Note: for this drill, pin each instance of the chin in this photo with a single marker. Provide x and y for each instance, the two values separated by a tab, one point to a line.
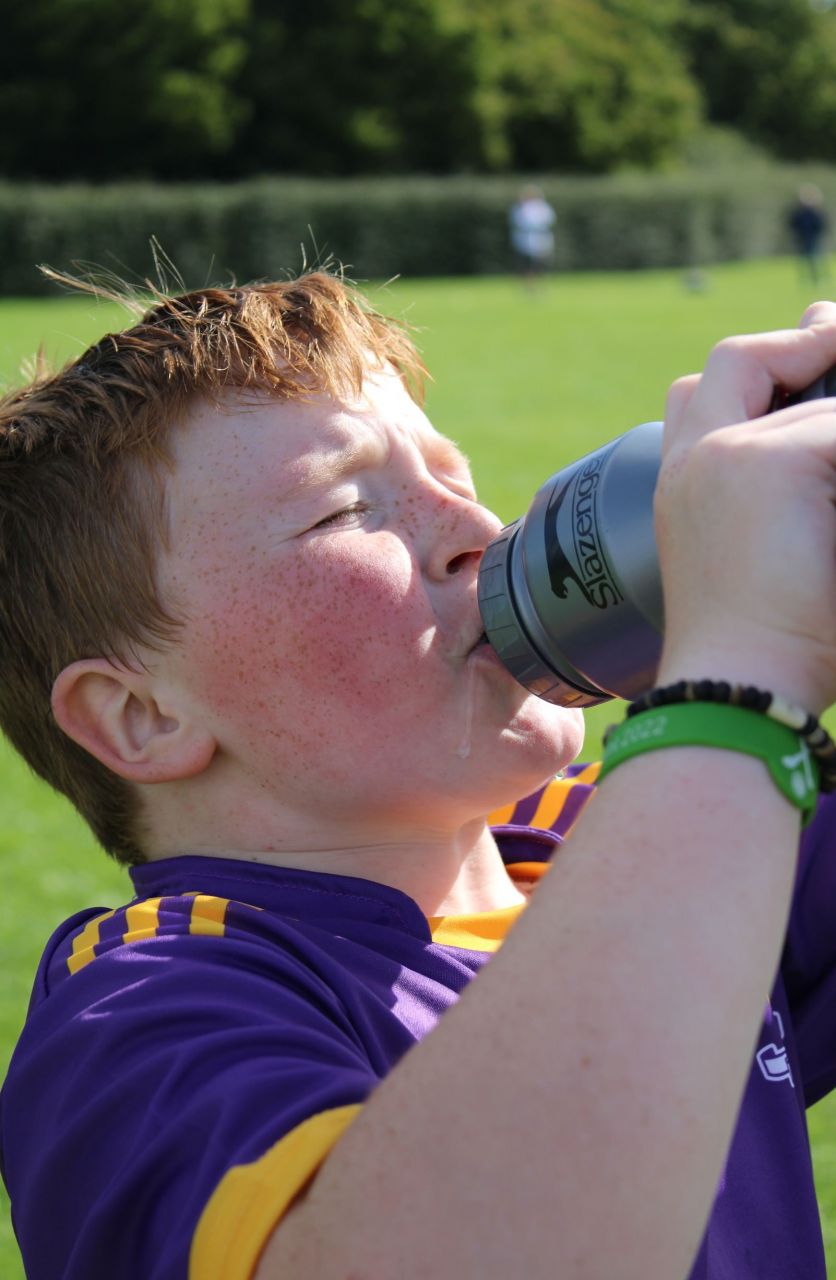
540	741
558	731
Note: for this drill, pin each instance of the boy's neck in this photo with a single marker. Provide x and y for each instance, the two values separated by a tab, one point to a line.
459	875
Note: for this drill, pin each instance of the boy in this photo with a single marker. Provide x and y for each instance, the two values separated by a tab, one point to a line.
241	633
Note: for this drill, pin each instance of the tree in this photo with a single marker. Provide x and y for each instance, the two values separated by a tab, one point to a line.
583	85
768	68
360	87
90	89
230	88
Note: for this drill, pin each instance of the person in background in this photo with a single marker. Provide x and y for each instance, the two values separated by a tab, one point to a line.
808	223
532	221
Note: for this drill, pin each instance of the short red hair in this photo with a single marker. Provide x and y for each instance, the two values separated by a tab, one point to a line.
83	455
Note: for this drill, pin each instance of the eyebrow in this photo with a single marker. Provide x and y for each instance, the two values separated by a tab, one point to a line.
334	465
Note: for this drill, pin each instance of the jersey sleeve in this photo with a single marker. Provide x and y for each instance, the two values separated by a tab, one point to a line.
809	961
170	1097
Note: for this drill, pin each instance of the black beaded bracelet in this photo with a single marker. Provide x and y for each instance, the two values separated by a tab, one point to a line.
819	742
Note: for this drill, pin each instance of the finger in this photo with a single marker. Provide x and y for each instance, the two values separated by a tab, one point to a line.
818	313
820	411
679	398
741	374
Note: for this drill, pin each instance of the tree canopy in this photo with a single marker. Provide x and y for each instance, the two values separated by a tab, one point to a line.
92	89
767	68
231	88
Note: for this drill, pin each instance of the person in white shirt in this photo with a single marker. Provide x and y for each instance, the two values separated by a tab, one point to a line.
532	222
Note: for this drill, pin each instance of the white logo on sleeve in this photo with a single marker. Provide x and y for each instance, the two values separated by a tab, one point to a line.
772	1058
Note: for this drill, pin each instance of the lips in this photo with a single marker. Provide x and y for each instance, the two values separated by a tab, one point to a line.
471	635
479	645
478	638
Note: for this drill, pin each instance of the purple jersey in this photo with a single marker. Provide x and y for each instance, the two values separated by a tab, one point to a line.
189	1060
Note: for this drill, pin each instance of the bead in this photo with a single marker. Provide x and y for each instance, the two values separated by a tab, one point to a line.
806	725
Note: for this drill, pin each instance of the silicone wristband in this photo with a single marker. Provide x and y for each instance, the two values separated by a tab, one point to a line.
821	746
709	724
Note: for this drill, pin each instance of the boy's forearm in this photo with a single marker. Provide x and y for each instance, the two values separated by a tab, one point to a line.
570	1116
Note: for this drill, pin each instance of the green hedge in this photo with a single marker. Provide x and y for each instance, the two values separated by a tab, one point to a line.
385	227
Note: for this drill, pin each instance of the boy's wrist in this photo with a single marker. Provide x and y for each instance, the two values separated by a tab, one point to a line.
750	660
794	769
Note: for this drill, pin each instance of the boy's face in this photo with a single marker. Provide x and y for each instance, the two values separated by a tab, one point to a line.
325	558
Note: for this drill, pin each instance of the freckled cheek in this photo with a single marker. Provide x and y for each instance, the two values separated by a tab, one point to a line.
362	623
330	632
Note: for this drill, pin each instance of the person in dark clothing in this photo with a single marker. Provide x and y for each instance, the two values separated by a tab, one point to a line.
808	223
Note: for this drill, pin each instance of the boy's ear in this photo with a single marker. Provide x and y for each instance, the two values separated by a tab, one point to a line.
112	712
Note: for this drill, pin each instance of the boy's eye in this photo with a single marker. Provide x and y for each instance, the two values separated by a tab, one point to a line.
347	515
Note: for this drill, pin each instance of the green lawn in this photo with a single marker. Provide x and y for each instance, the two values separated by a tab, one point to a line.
524	383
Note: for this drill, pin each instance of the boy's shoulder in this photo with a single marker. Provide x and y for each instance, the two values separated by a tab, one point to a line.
255	907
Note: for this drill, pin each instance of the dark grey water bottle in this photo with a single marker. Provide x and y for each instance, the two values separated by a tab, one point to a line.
570	594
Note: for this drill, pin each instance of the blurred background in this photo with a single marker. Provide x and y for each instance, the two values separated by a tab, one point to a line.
244	133
681	155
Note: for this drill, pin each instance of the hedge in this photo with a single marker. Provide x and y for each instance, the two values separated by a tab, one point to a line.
381	228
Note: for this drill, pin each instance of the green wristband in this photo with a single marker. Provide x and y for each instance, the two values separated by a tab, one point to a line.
710	724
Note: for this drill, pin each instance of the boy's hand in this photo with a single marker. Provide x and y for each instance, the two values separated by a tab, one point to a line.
745	518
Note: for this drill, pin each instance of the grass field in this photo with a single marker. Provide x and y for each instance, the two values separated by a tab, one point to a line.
524	383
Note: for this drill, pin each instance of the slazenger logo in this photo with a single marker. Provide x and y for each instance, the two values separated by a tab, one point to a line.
587	566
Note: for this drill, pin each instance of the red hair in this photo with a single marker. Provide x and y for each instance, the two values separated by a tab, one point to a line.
83	456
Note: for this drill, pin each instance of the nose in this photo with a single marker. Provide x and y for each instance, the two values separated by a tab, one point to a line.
458	536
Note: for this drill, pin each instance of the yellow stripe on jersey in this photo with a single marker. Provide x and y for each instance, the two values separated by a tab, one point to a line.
589	774
207	915
501	817
482	931
556	794
527	870
142	919
551	802
85	941
251	1199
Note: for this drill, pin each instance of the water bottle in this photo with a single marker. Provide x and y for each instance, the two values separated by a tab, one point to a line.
570	593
